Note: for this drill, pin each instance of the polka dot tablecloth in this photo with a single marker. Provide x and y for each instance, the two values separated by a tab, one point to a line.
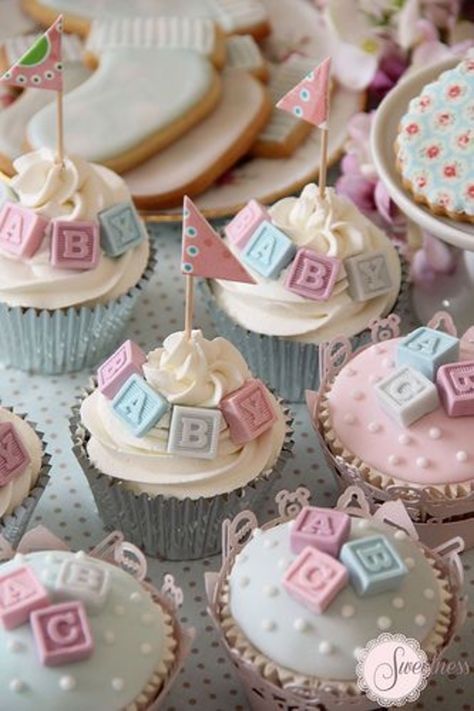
68	509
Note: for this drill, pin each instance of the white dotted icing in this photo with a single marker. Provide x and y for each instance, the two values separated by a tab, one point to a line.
388	363
357	652
410	563
136	597
435	433
67	683
384	623
19	558
15	646
301	625
283	563
270	544
362	524
268	625
117	684
422	462
348	611
404	438
358	395
257	532
374	427
325	647
146	618
109	637
81	555
350	372
349	418
146	648
271	590
400	535
420	620
429	593
461	456
244	581
398	603
394	459
17	686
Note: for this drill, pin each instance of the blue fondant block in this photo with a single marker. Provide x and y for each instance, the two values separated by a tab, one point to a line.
373	564
138	405
120	229
426	349
268	251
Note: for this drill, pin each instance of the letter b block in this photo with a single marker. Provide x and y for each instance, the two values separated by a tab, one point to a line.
456	388
120	229
406	395
426	349
320	528
14	458
268	251
314	579
368	276
139	406
194	432
248	411
374	565
20	593
21	230
126	361
74	245
241	228
312	275
83	580
62	634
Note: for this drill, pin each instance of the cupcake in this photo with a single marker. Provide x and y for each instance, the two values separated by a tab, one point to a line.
73	259
398	418
24	473
299	600
88	636
321	269
174	441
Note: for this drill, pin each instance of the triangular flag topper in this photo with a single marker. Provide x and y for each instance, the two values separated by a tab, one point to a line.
204	253
309	100
41	66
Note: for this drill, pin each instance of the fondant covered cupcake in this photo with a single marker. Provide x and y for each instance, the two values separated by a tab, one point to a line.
172	442
73	257
321	268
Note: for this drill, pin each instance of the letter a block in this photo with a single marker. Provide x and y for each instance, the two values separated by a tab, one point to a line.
320	528
314	579
74	245
117	369
268	251
139	406
406	395
456	388
248	411
374	565
312	275
368	276
20	593
120	229
62	634
194	432
426	349
14	458
241	228
21	230
79	579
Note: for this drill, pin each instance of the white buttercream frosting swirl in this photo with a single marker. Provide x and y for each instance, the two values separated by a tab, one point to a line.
75	191
332	226
197	373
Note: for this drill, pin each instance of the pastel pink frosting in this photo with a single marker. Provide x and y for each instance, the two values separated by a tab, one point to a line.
436	449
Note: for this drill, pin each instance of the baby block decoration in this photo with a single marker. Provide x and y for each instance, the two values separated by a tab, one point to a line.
116	370
407	395
248	411
314	579
426	349
120	229
21	230
455	383
194	432
14	457
368	276
62	633
20	594
312	275
374	565
138	405
241	228
74	245
84	580
268	251
320	528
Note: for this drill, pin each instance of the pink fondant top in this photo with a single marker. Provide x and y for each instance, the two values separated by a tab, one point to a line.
435	449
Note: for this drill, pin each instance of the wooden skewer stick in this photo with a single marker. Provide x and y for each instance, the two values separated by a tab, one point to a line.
59	128
189	306
323	162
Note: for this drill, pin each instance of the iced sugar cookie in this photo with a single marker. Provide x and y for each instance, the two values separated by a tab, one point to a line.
435	144
146	61
233	16
244	53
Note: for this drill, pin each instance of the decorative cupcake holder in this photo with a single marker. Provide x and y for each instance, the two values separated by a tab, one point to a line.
263	695
436	517
114	549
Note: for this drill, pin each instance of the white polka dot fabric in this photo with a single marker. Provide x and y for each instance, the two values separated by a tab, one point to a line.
67	508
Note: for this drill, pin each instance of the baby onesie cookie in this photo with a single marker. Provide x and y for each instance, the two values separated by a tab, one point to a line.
232	16
435	143
131	107
14	119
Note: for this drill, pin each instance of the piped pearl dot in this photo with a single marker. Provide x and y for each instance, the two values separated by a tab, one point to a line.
117	684
357	395
400	535
271	590
19	558
429	593
109	637
50	559
420	620
374	427
388	363
146	648
67	683
410	563
393	459
146	618
349	418
384	623
422	462
119	610
15	646
461	456
268	625
282	563
325	647
17	685
373	378
256	532
270	544
362	524
300	625
404	438
347	611
357	652
136	597
242	558
380	349
350	372
398	603
434	433
80	555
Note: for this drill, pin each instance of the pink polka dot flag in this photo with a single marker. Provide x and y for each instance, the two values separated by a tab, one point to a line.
309	100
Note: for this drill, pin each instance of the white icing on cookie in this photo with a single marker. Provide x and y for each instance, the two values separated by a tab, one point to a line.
244	53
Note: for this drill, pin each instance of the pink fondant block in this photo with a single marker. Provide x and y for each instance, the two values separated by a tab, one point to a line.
241	228
62	633
21	230
314	579
248	411
312	275
324	529
20	594
14	457
74	245
455	383
117	369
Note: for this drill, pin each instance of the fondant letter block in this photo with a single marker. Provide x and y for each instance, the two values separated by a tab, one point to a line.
194	432
82	580
268	251
14	458
368	276
324	529
426	349
20	593
312	275
248	411
120	229
139	406
21	230
406	395
62	634
314	579
241	228
374	565
74	245
456	388
126	361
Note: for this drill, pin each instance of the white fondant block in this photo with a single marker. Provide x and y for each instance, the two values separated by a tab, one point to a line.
82	580
194	432
407	395
368	276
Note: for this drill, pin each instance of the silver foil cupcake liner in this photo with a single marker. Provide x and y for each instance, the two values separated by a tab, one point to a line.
14	525
165	526
65	340
289	367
